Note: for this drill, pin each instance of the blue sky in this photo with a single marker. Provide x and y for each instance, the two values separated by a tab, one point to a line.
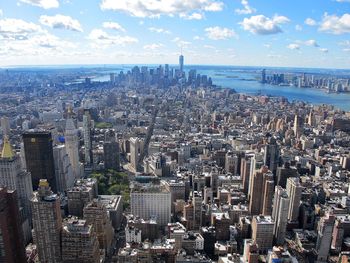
300	33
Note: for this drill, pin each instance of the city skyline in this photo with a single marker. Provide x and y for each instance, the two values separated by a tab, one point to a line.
244	33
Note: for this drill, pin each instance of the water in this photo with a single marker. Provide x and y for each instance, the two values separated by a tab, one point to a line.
244	80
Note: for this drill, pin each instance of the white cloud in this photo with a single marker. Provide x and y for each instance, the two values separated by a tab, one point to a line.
193	16
311	43
61	22
19	29
310	22
335	25
198	38
263	25
46	4
159	30
114	26
101	37
246	9
298	28
267	45
1	13
152	46
181	43
209	46
156	8
220	33
343	1
293	46
324	50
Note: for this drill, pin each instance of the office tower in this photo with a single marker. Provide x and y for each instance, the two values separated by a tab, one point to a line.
283	173
95	213
72	146
262	232
261	193
63	169
271	155
79	242
181	64
263	76
231	163
39	157
12	240
15	178
83	192
134	152
5	125
298	126
151	201
294	191
280	214
324	237
47	223
87	137
245	172
111	155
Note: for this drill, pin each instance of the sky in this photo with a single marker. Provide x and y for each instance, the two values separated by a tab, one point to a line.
288	33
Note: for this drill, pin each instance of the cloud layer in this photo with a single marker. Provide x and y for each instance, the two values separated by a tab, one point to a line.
156	8
61	22
46	4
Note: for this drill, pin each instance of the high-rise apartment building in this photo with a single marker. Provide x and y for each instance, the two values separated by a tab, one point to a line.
5	125
294	191
95	213
38	151
12	240
324	237
261	192
82	193
280	214
262	232
79	242
47	223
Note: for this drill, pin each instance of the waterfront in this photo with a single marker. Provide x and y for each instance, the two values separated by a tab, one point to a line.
244	80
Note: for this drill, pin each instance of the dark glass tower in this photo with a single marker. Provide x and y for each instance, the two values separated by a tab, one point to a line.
39	157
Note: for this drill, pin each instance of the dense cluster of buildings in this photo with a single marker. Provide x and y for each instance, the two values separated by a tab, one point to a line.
215	176
329	83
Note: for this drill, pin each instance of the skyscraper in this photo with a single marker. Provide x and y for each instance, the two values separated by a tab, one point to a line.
280	214
262	232
111	155
11	245
271	155
294	191
87	137
298	126
263	76
181	63
47	223
39	157
261	193
324	237
72	146
134	152
95	213
63	169
15	178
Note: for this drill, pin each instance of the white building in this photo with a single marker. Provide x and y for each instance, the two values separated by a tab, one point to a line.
280	214
63	169
72	146
149	201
